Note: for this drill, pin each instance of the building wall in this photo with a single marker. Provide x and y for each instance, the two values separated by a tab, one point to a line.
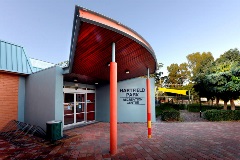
21	98
131	101
8	98
44	97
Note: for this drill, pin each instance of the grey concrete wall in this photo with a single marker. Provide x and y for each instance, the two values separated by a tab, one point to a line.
131	101
102	103
21	99
44	97
59	94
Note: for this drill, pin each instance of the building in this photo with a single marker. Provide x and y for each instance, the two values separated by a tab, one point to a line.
35	92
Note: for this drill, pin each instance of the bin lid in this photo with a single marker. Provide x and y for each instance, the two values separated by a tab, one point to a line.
53	121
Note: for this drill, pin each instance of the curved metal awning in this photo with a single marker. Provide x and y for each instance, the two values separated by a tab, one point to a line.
91	49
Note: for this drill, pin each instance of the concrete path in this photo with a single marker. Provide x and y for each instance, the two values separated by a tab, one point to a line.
170	141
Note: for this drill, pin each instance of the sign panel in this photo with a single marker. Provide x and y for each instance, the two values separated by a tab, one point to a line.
134	96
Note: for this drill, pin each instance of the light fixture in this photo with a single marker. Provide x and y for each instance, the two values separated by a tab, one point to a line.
96	83
75	79
76	86
127	71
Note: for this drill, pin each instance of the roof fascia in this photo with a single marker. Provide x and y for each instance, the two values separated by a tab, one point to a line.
75	33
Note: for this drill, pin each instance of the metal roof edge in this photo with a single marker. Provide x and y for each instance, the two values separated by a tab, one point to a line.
28	60
108	18
17	73
25	56
10	43
75	36
75	32
55	66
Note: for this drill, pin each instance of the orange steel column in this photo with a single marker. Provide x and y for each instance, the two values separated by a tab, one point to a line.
149	107
113	104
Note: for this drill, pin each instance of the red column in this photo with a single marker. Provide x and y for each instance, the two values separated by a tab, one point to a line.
149	108
113	108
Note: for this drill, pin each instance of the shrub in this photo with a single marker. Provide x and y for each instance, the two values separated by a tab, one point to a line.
158	111
221	115
168	111
178	106
196	107
170	115
237	115
236	107
160	108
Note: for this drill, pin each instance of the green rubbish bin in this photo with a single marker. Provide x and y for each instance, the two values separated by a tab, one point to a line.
54	130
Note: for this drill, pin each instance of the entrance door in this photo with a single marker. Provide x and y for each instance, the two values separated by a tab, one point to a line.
79	106
68	108
90	111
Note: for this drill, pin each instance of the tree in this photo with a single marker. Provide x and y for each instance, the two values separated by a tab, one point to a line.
202	87
225	85
158	74
221	79
177	74
196	62
232	55
227	62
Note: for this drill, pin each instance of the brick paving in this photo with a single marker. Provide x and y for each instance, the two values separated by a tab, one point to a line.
170	141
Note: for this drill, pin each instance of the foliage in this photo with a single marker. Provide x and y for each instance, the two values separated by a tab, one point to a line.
181	76
205	77
177	74
160	108
179	106
170	115
169	112
156	75
221	79
221	115
197	62
231	55
196	107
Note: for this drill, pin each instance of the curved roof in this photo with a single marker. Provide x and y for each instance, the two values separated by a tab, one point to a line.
91	49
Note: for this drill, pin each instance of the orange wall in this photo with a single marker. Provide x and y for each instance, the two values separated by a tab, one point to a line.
8	98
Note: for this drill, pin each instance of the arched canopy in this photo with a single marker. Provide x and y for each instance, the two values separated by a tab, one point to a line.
91	49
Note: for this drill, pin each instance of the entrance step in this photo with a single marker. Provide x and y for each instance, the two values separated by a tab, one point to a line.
79	125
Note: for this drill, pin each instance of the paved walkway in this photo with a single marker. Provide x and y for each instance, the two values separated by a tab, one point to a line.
189	140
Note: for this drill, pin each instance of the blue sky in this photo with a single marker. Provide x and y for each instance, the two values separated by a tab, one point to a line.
174	28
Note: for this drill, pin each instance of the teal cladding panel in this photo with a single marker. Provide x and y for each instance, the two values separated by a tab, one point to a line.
14	59
3	56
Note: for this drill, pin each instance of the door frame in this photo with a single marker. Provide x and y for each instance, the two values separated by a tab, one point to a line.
75	92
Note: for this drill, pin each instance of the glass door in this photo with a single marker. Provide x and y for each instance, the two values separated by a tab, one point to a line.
68	108
90	111
80	107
